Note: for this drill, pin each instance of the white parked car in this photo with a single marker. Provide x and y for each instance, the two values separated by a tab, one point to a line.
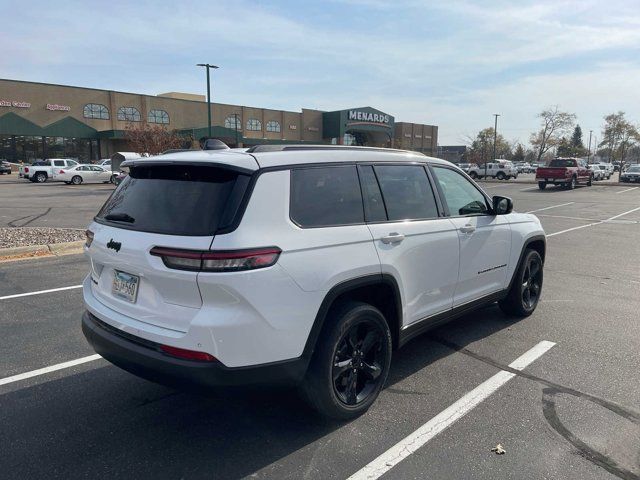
83	174
307	265
500	169
606	168
597	172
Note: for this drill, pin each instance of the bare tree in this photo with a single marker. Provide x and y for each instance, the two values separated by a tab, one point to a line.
151	139
619	137
554	125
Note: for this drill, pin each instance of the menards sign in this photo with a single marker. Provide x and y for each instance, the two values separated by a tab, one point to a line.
361	116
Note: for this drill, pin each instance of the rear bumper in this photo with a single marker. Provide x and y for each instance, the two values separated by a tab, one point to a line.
144	359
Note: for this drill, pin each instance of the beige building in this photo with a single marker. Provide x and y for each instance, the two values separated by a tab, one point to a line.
39	120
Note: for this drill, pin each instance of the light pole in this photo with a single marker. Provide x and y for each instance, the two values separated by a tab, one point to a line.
208	67
495	139
589	156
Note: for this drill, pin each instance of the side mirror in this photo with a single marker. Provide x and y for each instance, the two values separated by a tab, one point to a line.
502	205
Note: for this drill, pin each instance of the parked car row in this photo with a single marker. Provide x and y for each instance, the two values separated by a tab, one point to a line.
65	170
5	167
632	174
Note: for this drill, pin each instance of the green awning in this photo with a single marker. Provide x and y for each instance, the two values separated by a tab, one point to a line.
13	124
69	127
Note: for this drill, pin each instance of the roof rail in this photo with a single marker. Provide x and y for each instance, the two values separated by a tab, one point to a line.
282	148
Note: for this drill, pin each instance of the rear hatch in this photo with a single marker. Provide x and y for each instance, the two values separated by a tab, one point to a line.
175	206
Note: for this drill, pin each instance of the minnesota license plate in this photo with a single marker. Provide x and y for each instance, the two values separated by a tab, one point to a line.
125	286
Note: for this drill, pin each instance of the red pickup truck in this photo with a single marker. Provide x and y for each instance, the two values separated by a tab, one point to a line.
567	172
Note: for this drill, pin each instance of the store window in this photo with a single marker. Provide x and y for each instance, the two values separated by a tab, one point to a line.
158	116
95	110
273	126
128	114
254	125
233	122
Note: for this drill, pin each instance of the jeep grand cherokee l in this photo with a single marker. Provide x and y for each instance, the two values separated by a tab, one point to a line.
307	265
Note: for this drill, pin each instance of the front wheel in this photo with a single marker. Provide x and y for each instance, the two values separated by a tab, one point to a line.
112	179
351	362
572	184
589	183
542	185
76	180
526	287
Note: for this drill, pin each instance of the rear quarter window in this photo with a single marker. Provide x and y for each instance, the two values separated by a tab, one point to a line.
326	196
191	200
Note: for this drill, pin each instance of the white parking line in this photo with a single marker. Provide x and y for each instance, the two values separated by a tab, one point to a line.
594	223
39	292
447	417
52	368
549	208
626	190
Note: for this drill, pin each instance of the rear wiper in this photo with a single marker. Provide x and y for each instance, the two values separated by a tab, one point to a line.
120	217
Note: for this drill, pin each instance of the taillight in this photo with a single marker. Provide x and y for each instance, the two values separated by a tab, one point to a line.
187	354
218	261
89	238
26	169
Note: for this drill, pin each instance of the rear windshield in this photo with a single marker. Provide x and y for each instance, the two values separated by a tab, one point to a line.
559	162
175	199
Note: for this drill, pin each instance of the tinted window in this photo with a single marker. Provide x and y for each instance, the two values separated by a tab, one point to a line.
461	196
560	162
406	191
374	210
173	199
326	196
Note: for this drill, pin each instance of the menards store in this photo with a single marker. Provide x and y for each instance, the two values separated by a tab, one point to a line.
39	120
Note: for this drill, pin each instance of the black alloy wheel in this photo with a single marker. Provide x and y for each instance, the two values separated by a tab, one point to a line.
531	283
358	362
350	363
526	286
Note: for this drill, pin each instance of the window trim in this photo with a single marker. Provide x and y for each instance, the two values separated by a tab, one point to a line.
91	109
328	165
445	205
155	116
277	123
125	119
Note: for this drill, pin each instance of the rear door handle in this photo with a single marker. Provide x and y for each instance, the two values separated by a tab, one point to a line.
393	237
468	228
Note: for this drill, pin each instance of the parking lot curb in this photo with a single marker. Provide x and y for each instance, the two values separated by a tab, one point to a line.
52	249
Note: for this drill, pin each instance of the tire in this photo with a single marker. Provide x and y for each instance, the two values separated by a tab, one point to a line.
112	179
572	184
501	176
526	288
40	177
331	387
76	180
542	185
590	182
473	175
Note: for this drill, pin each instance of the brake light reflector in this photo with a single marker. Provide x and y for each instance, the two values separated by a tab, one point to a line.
218	261
187	354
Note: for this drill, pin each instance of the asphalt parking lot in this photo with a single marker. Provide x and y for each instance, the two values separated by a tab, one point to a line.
573	412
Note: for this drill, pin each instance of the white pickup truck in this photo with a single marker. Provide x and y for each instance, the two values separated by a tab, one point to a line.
500	169
44	170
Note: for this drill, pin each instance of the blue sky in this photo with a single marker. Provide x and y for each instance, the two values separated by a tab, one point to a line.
450	63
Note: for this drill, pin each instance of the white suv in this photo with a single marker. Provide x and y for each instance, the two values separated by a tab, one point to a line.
306	265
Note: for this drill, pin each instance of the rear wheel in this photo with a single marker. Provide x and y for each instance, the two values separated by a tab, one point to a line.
473	175
113	179
542	185
351	362
501	176
572	184
589	183
76	180
41	177
526	288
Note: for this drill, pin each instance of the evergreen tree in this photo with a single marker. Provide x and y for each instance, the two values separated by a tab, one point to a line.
518	153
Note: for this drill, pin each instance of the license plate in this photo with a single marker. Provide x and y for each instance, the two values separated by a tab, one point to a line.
125	286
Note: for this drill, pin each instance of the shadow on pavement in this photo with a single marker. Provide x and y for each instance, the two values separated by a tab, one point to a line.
105	422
